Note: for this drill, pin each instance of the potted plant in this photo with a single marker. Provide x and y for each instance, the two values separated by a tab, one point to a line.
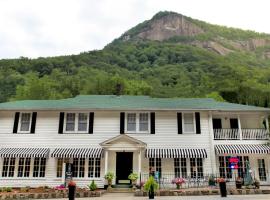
109	177
178	182
92	186
212	181
71	190
238	182
222	187
133	177
151	186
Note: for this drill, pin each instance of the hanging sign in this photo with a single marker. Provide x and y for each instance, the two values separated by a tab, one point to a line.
233	161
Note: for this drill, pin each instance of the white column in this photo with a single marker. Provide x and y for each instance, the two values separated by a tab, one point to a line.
106	162
139	162
63	172
211	142
239	126
267	122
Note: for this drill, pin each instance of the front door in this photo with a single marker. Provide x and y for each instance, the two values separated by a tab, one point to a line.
217	123
234	123
123	167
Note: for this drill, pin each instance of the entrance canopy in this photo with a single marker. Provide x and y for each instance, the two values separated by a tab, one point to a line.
242	149
24	152
175	153
77	153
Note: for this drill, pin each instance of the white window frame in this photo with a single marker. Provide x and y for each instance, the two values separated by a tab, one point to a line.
194	122
76	123
20	121
94	168
137	122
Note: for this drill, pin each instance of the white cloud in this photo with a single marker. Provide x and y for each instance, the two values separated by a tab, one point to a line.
36	28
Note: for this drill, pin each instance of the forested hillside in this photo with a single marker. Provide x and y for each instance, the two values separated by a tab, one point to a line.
168	56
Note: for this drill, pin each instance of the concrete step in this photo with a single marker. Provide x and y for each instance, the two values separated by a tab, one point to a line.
121	190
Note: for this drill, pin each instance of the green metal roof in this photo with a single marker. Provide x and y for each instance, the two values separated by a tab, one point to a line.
125	102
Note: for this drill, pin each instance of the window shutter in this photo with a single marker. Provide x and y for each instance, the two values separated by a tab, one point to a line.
122	123
198	122
33	124
153	123
179	123
61	122
16	122
91	123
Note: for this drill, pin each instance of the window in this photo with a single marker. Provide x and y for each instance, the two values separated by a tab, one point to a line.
8	167
94	168
82	122
59	168
143	125
180	167
155	163
25	122
196	167
131	122
189	125
24	167
225	170
76	122
78	167
39	167
70	122
261	169
137	123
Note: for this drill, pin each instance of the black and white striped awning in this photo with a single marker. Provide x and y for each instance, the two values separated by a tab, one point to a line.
77	153
24	152
242	149
175	153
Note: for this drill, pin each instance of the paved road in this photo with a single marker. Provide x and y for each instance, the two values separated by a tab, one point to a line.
126	196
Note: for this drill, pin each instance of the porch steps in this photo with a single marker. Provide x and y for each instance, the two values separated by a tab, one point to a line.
121	189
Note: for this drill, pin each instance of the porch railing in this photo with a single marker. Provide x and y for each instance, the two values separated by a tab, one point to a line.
255	134
226	134
247	134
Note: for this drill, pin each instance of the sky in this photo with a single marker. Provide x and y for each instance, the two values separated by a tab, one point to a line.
41	28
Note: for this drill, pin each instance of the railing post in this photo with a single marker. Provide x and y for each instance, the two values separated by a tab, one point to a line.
239	127
267	122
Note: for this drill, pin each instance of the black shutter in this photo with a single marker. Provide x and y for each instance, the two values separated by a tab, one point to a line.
91	123
33	124
122	123
198	122
61	122
16	122
153	123
179	123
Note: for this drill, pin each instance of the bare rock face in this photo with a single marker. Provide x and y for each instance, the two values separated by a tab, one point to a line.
169	26
213	46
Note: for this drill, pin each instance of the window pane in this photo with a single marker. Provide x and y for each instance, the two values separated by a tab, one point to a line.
97	168
82	122
5	167
70	122
27	167
143	122
42	167
91	167
36	167
25	121
188	122
20	167
131	122
11	167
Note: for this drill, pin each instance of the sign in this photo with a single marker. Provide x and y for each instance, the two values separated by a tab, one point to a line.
233	161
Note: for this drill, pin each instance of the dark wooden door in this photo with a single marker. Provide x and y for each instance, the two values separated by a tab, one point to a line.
234	123
217	123
123	167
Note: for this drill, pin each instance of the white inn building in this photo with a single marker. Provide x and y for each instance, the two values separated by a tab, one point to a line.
188	138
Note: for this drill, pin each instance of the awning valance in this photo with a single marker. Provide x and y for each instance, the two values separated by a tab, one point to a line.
24	152
242	149
77	153
175	153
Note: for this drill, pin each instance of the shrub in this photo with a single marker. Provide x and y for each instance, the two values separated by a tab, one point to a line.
133	176
92	186
109	176
8	189
150	184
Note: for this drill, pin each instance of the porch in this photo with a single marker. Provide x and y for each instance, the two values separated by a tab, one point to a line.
251	126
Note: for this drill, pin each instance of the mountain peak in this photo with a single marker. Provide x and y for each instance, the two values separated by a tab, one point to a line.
162	26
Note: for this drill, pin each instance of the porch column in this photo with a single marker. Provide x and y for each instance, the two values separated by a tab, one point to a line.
267	122
239	126
140	162
106	162
211	142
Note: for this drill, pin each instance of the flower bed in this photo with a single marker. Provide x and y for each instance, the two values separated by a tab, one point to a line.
198	192
46	193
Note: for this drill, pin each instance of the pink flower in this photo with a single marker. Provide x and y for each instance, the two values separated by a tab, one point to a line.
178	181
